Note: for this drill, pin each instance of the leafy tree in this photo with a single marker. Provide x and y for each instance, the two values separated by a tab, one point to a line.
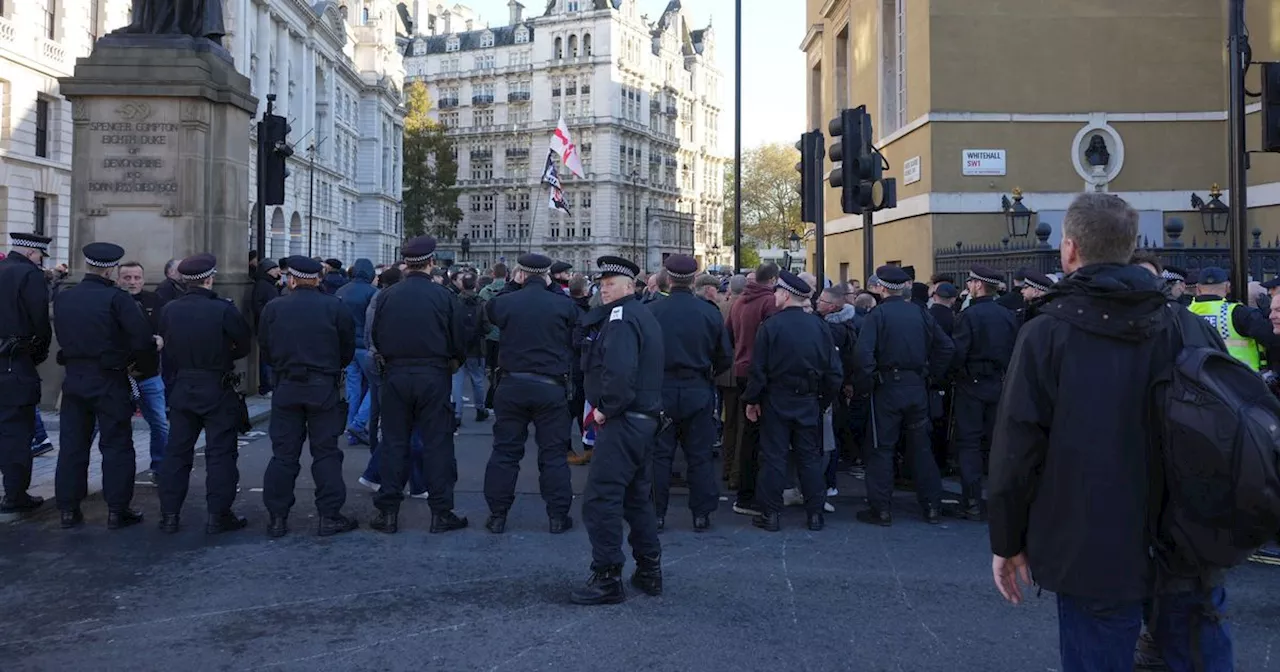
430	170
770	200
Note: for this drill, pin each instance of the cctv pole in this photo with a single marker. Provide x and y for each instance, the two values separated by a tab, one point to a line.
737	136
260	233
1239	158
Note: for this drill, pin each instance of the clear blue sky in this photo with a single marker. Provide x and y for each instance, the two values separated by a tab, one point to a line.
773	88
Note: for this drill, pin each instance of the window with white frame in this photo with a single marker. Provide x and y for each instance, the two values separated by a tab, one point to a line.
522	35
485	62
451	44
486	39
893	70
419	48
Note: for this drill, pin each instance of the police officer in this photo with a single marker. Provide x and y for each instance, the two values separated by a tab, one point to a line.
308	338
1244	329
984	338
622	362
942	309
418	336
899	348
795	373
536	346
1177	284
1034	287
696	348
942	393
1013	299
100	331
24	343
204	335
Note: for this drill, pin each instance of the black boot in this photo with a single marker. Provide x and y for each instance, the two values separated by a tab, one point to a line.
816	522
447	521
768	521
225	522
335	524
974	509
278	527
386	521
123	518
72	518
169	523
932	514
604	587
561	524
875	516
648	575
701	522
23	503
481	415
497	522
662	523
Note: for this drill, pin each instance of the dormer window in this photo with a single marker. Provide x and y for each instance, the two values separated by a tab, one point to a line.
486	39
522	35
451	44
419	48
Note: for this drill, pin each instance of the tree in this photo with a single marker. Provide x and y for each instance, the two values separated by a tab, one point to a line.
770	199
430	171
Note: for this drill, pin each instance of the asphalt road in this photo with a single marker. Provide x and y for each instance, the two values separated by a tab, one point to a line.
852	597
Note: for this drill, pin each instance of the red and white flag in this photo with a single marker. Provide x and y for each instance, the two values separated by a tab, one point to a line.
551	178
563	145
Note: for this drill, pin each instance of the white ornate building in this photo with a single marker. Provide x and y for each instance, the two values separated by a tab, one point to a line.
641	101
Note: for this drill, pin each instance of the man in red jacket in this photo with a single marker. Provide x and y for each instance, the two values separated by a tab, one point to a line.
745	316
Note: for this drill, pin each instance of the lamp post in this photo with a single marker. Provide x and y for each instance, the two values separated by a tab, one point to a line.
1238	54
737	135
1017	215
1215	214
795	242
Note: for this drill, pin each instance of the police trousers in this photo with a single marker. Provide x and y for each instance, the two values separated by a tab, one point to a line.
516	403
307	409
619	488
901	410
975	417
790	423
200	401
92	395
691	406
21	387
416	398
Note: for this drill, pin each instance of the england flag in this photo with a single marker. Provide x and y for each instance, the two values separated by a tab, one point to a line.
563	145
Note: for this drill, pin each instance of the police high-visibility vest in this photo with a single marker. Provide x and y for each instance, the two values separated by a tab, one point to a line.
1218	315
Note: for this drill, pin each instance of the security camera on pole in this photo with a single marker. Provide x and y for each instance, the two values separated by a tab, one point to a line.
858	171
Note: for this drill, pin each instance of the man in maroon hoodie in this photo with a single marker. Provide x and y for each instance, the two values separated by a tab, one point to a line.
745	316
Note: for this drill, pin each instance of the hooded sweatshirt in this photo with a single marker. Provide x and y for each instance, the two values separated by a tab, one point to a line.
744	319
357	294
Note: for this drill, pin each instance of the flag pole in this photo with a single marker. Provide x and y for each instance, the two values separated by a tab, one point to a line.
533	219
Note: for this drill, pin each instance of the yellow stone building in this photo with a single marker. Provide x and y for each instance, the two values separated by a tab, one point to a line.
974	98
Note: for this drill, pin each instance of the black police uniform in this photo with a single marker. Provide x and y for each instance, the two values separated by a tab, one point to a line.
100	331
795	372
1034	280
534	353
622	362
204	335
1013	298
942	394
984	338
419	338
24	343
899	348
309	338
696	348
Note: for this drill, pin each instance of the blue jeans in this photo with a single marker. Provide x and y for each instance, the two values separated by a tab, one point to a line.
358	381
1099	635
151	403
473	368
264	376
42	435
417	483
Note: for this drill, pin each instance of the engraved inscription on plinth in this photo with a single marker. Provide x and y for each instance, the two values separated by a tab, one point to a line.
137	164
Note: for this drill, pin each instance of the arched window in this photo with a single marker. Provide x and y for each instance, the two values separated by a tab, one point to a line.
559	48
364	16
573	46
586	44
343	11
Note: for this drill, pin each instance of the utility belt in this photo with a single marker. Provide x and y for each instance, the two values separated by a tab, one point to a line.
980	370
229	380
563	382
17	346
303	374
703	375
110	361
891	374
382	364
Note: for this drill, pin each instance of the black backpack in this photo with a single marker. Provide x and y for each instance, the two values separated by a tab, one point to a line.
1219	452
473	320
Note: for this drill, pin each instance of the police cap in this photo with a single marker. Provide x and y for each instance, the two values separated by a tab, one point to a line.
537	264
103	255
304	267
1174	273
792	283
419	250
1037	280
986	275
198	267
561	267
1213	276
946	290
893	278
610	266
32	240
681	266
1021	274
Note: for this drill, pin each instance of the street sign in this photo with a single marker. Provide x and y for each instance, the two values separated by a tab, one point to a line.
911	170
983	162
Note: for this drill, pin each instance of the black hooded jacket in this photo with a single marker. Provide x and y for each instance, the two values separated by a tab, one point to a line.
1069	457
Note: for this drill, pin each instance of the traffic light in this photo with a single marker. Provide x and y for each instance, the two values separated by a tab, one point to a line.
858	168
275	153
810	169
1271	107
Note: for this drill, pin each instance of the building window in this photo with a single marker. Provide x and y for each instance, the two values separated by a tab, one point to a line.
486	39
42	128
364	16
419	48
522	35
815	96
40	223
842	69
48	19
452	43
893	67
586	44
573	46
559	53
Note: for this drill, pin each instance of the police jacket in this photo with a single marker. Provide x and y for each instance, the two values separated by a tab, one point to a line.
98	322
332	282
794	356
1069	482
307	332
945	317
24	305
900	336
1012	300
357	294
147	365
622	358
1247	321
417	322
537	330
170	289
695	343
204	332
984	337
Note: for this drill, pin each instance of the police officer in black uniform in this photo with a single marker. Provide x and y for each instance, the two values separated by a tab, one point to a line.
418	339
1013	298
944	293
696	348
795	373
623	363
204	335
308	339
534	354
1176	288
24	343
1034	286
984	338
100	331
900	347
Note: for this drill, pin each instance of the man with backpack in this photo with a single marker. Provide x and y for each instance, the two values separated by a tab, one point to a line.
1087	491
472	368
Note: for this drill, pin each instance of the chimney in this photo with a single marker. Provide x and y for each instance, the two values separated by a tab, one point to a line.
517	11
469	22
447	17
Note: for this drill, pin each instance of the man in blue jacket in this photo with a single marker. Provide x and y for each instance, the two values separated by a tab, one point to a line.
356	295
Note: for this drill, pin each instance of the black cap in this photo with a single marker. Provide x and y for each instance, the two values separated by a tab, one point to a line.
336	263
681	266
418	250
534	263
946	290
792	283
919	290
32	240
267	264
1021	274
304	267
610	266
1272	283
560	267
986	275
1174	273
1037	280
893	277
103	255
1213	276
198	267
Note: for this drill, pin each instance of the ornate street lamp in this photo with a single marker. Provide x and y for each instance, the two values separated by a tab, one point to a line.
1017	215
794	241
1214	214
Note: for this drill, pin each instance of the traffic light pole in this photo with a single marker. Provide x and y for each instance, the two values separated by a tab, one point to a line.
737	136
1239	157
260	234
868	245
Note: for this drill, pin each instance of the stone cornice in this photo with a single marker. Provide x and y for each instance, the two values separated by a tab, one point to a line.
815	32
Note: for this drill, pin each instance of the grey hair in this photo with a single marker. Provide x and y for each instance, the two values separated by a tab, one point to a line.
835	294
737	284
1103	226
864	301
